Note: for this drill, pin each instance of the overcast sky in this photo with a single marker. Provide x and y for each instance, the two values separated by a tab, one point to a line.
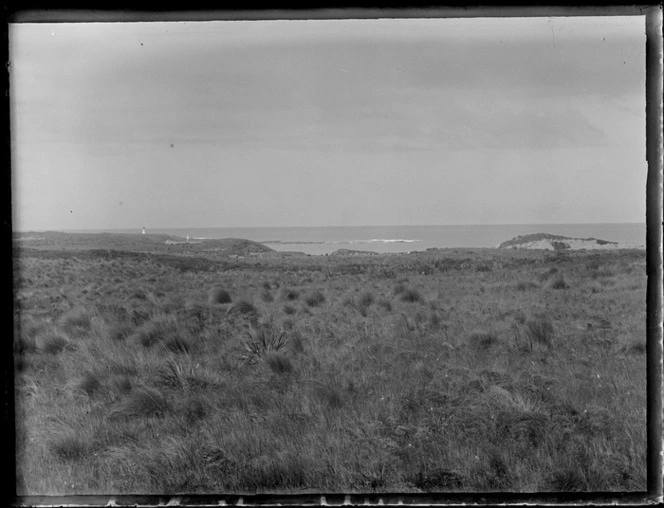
328	122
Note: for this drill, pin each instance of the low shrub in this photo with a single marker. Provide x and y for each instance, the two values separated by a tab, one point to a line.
289	309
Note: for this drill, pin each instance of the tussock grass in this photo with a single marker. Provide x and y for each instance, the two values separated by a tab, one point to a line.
118	331
219	295
637	347
526	285
76	322
557	282
365	299
330	395
140	403
26	333
314	298
405	399
89	383
290	294
162	329
483	340
540	330
53	342
399	288
278	363
176	343
71	445
121	384
385	304
263	341
410	295
242	306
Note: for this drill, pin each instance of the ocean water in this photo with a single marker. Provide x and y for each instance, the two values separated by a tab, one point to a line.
383	239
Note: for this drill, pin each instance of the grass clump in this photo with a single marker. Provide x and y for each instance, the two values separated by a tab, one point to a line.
331	395
290	294
278	363
118	331
243	307
76	322
636	347
70	446
399	288
482	340
28	329
263	341
314	298
160	329
53	342
410	295
141	403
558	282
89	384
526	285
365	299
385	304
540	331
219	295
176	343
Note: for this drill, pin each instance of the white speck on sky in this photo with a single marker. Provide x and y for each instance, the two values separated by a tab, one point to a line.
328	122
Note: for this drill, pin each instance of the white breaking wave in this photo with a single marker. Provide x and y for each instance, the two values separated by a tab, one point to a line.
385	240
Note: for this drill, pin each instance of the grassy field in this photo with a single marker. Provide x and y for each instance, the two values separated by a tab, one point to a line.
449	370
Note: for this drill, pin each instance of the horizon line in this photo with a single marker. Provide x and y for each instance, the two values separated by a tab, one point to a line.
139	228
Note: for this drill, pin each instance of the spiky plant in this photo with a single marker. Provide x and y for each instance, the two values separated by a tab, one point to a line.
262	341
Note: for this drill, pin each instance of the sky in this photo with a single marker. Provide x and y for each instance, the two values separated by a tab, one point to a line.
328	122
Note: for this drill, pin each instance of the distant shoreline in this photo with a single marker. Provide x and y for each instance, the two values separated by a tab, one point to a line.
238	247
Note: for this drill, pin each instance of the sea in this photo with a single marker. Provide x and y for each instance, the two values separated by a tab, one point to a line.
396	239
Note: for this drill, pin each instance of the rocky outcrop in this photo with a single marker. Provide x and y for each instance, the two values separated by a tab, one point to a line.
547	241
